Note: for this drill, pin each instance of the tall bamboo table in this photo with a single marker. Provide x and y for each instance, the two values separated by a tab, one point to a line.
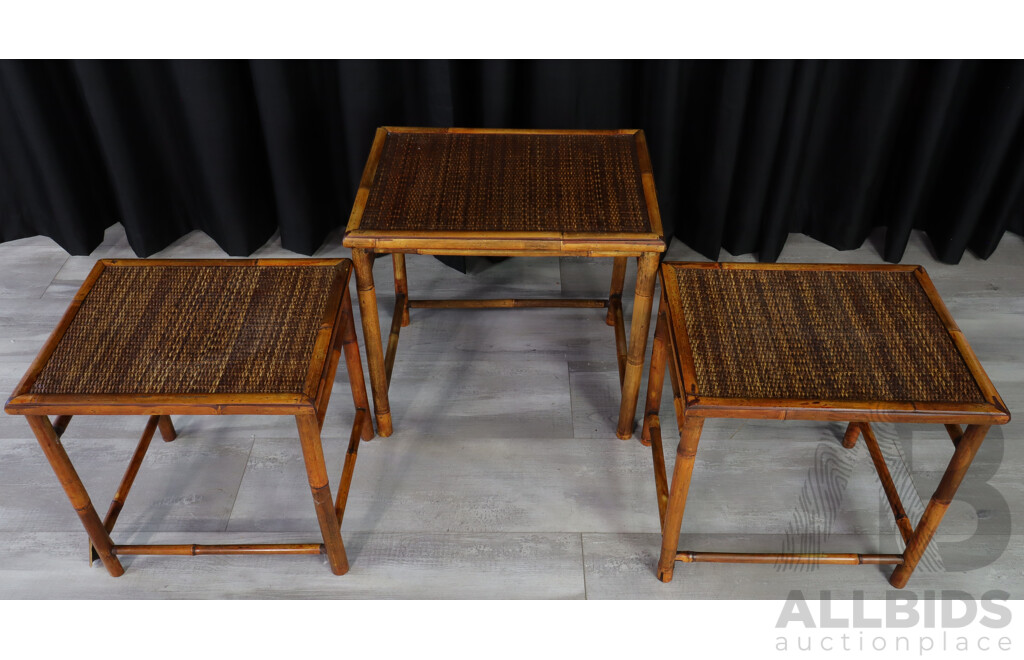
200	337
861	344
518	193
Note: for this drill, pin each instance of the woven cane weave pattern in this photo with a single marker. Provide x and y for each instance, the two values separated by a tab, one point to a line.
854	336
192	330
494	182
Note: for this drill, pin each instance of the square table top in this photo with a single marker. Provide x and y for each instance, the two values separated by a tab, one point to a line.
457	190
208	333
814	341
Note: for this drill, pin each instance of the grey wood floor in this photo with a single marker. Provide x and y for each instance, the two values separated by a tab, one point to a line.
504	478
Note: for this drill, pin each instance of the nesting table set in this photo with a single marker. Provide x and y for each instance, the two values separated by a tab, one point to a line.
858	344
205	337
507	193
850	343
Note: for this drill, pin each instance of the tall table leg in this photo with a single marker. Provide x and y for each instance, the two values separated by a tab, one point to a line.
316	470
354	366
363	261
651	434
167	428
689	436
851	435
615	294
614	316
401	285
647	267
76	492
965	451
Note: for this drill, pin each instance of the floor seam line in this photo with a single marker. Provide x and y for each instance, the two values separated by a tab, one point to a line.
583	559
238	488
52	279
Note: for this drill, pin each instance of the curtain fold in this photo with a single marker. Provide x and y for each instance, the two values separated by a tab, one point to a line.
744	152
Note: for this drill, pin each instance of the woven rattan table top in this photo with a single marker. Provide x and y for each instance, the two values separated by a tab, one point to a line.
820	335
172	328
424	185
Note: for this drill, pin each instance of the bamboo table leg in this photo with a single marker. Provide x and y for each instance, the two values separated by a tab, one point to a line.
76	492
316	470
348	469
851	435
363	262
401	285
651	433
615	294
167	431
689	436
132	471
614	317
61	424
647	267
354	366
965	451
630	359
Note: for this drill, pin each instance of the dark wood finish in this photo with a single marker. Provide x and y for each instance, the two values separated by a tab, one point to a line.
979	408
332	334
438	191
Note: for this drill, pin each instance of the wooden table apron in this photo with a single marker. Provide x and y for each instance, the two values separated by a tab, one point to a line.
671	347
646	247
336	336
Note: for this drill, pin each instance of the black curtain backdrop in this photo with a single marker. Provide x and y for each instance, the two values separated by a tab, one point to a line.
744	152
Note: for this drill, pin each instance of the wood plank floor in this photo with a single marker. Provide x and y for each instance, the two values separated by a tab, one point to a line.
504	478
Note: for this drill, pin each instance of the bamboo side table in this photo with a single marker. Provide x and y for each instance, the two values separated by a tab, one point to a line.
518	193
200	337
818	342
